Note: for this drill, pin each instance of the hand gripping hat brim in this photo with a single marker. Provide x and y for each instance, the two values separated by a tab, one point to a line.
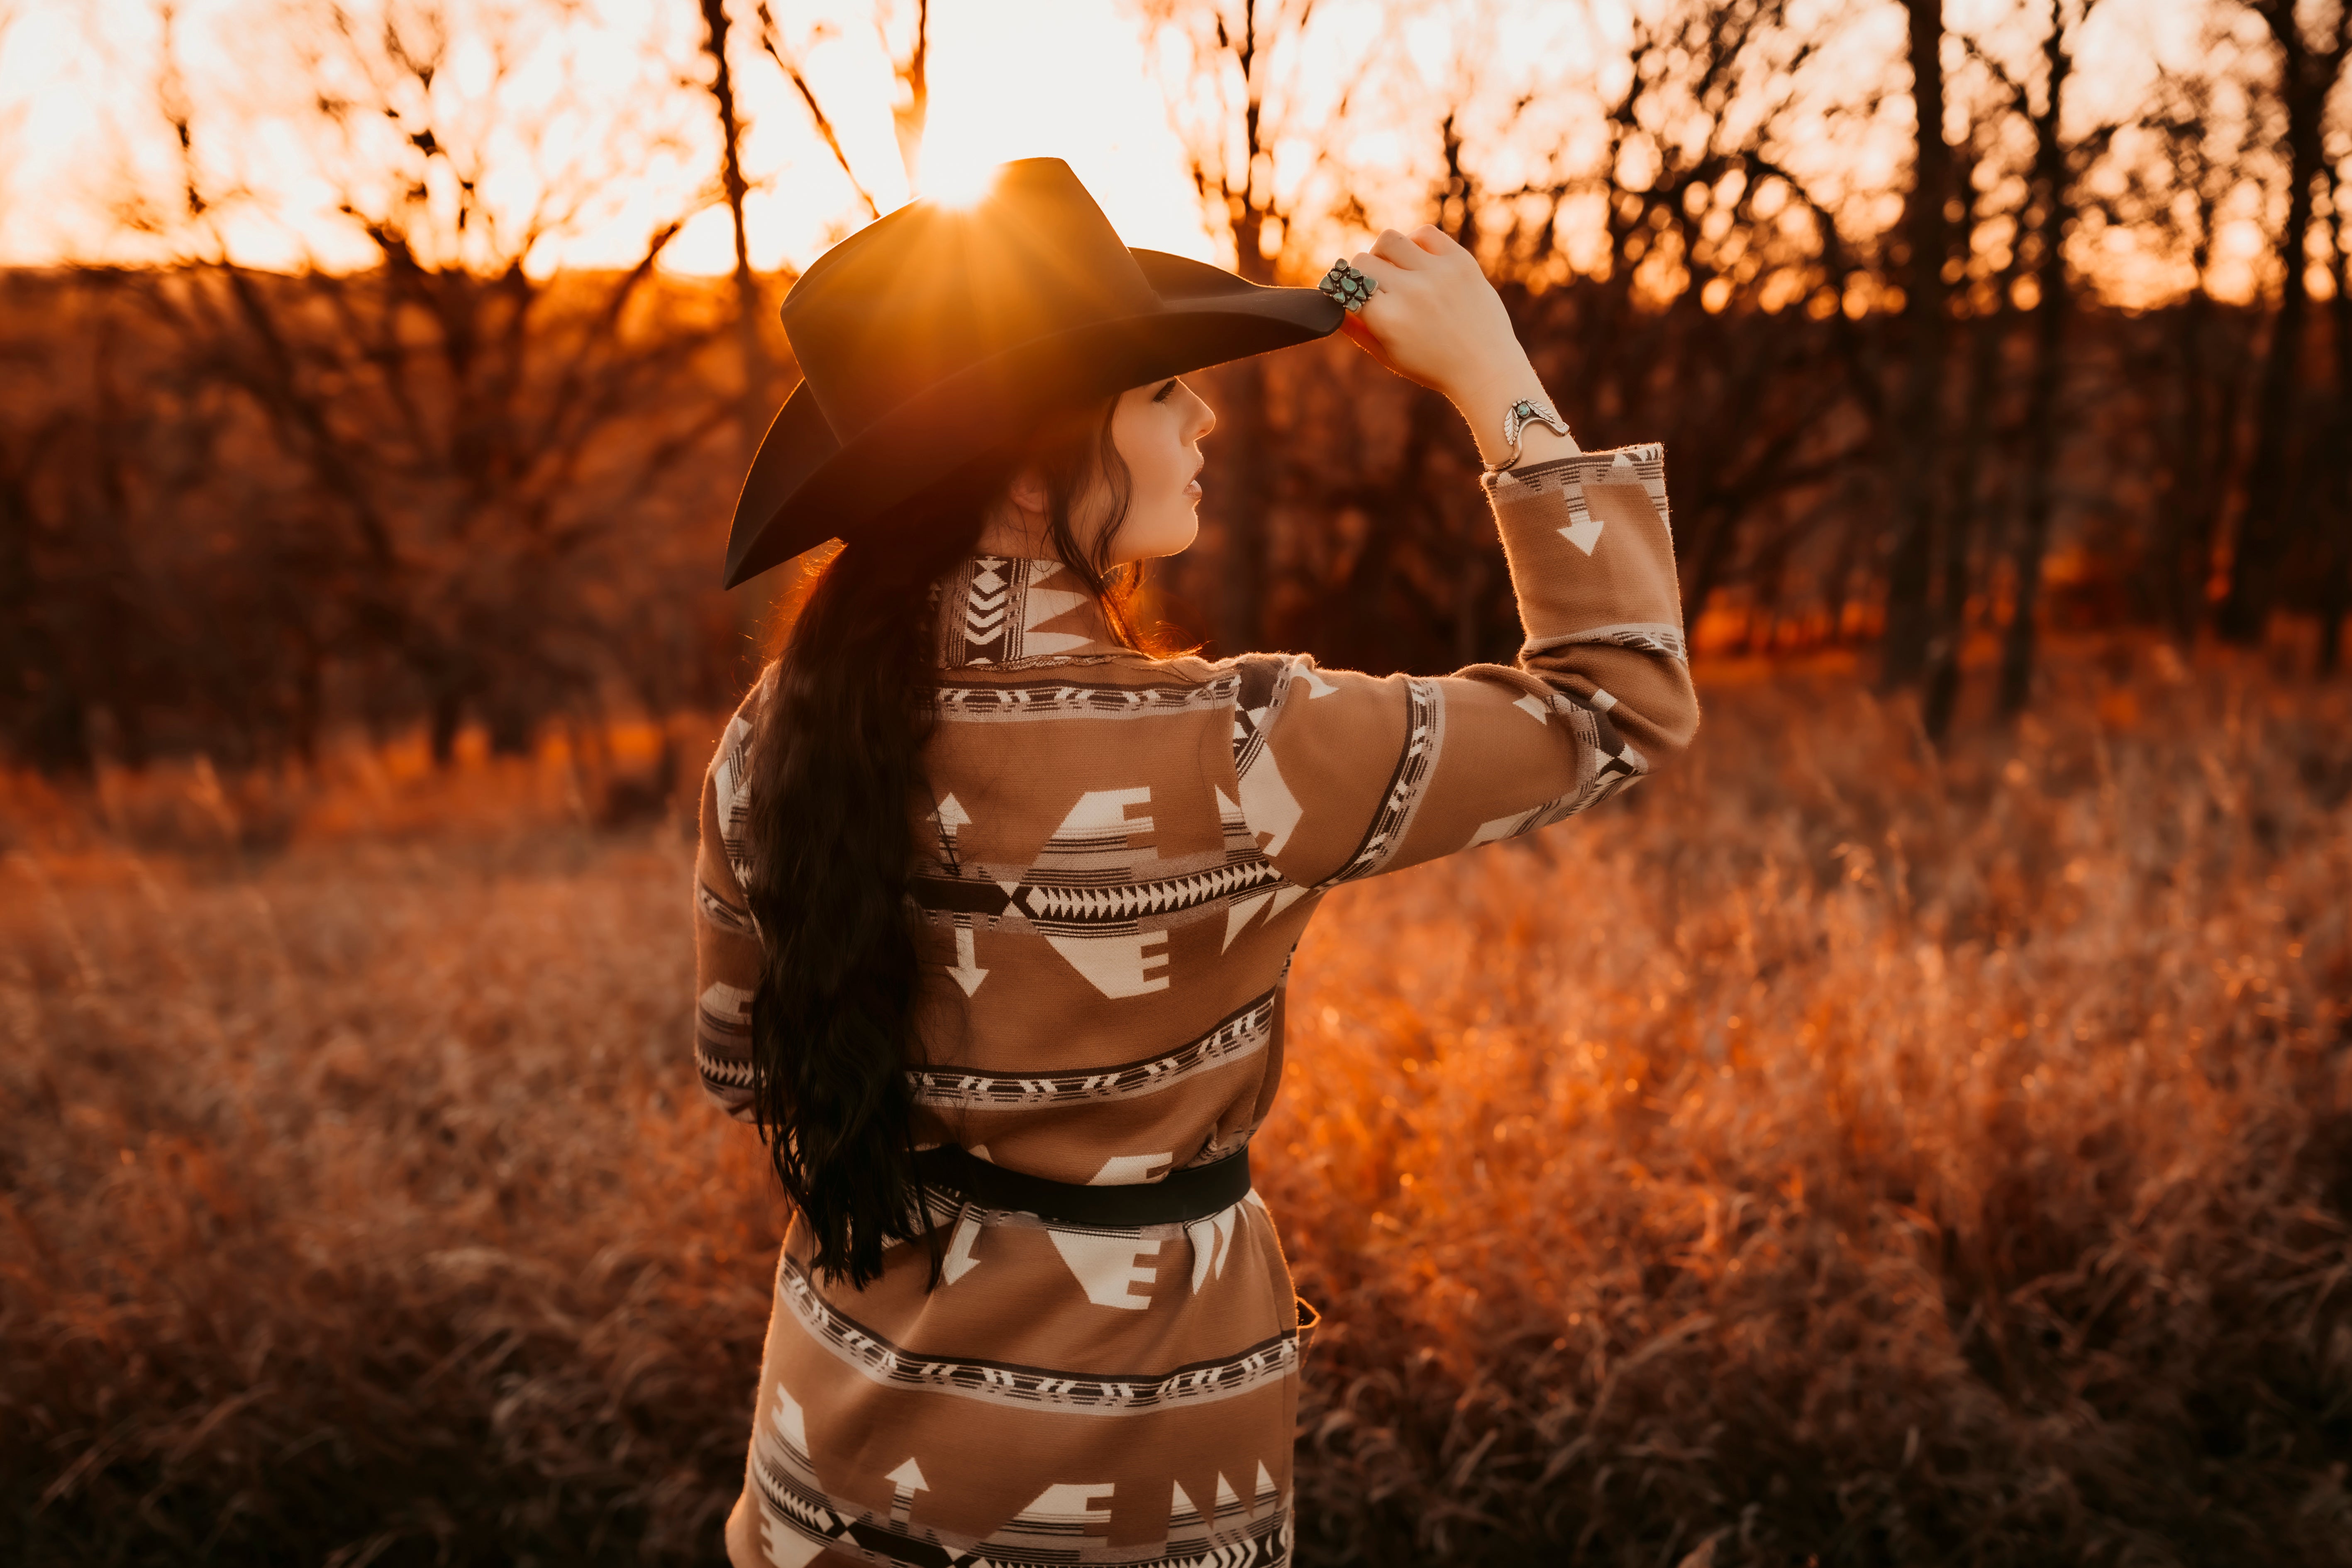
938	335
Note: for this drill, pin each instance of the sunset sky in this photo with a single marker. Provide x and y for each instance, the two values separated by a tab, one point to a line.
591	102
77	111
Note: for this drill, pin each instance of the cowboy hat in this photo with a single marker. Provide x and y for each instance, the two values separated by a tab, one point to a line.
938	334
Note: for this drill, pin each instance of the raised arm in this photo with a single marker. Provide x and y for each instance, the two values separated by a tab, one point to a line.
1343	775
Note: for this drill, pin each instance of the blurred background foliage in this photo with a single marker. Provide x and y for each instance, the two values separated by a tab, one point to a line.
2058	364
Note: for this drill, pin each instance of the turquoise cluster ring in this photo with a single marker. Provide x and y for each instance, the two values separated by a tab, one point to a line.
1347	285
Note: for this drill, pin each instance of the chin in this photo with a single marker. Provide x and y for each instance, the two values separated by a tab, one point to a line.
1167	534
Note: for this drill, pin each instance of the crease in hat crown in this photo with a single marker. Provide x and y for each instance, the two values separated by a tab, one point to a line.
964	320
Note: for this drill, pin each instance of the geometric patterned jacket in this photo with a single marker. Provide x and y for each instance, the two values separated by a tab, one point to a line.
1122	853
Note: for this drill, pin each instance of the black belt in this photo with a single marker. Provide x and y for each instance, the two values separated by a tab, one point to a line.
1183	1196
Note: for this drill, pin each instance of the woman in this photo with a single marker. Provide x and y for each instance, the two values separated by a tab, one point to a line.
995	909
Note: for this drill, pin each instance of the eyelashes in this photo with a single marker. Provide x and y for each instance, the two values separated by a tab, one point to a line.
1161	395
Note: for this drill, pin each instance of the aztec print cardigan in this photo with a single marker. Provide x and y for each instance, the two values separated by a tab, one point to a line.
1123	853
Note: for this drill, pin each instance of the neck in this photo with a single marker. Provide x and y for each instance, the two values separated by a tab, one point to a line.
1008	609
1016	532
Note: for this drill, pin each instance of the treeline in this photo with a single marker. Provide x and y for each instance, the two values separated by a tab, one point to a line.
239	509
1911	413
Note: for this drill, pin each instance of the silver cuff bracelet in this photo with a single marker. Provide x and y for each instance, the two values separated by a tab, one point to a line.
1515	420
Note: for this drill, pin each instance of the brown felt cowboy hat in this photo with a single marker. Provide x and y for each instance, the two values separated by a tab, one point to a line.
940	334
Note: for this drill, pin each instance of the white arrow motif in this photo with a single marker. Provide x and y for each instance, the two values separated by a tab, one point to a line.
951	814
959	1260
1583	535
965	971
904	1483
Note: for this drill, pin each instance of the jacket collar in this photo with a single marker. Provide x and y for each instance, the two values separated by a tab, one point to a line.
999	610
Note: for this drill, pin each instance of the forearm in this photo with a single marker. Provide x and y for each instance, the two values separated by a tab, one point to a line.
1592	563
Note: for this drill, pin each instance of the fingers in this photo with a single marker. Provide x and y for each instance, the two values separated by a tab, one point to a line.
1396	249
1378	268
1432	241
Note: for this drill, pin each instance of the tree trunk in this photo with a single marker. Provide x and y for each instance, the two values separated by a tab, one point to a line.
2032	538
752	410
2336	582
1710	553
910	118
2266	531
1840	596
755	602
1919	439
40	711
444	717
2046	380
1987	336
2185	532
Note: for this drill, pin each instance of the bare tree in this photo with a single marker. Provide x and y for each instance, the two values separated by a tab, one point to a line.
1918	436
756	400
1243	58
1717	250
910	103
1998	259
753	408
910	58
2058	168
2198	368
481	440
910	77
2310	64
2334	596
1707	315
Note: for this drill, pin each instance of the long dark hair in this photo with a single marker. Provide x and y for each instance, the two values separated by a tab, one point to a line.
837	792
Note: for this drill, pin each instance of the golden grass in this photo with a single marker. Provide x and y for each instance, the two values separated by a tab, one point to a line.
1826	1153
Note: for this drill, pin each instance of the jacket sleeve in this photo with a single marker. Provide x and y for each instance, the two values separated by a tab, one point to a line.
726	942
1345	775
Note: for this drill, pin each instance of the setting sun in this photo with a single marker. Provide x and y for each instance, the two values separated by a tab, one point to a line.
955	179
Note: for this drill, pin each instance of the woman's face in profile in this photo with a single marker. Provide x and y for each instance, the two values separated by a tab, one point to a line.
1157	429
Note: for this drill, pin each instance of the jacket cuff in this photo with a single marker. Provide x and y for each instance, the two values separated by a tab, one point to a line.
1591	550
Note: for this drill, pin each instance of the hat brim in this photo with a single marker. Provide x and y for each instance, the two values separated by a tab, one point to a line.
807	485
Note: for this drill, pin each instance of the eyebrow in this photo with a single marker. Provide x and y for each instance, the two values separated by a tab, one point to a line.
1161	395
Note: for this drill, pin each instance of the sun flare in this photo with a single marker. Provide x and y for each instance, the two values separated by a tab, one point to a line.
955	179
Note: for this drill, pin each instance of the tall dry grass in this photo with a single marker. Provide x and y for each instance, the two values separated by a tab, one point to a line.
1828	1152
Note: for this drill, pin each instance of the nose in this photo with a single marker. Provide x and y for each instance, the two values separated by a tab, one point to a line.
1205	418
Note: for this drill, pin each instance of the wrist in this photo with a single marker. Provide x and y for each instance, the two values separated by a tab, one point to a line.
1500	380
1486	405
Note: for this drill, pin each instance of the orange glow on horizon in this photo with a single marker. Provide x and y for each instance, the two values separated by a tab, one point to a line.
593	111
78	87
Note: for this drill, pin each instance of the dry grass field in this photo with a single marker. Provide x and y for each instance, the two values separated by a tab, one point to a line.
1828	1153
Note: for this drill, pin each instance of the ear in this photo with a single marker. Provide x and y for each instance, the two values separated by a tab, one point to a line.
1028	493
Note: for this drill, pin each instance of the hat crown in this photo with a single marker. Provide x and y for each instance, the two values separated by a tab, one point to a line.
965	324
935	289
